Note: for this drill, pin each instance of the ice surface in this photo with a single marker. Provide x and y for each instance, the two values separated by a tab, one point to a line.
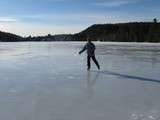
49	81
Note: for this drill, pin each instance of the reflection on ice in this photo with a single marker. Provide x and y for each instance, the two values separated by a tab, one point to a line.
91	81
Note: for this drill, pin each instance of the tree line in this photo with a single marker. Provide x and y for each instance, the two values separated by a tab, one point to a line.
121	32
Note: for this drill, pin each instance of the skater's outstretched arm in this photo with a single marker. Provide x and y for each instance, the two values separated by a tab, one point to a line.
84	48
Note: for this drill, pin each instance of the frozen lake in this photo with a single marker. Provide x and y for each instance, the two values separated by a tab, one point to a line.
49	81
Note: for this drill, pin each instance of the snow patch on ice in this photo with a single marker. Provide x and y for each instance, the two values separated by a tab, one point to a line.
154	115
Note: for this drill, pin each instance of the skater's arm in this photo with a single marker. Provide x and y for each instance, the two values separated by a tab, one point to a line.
84	48
94	47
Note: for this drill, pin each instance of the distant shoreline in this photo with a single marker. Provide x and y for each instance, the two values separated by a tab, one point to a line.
98	42
120	32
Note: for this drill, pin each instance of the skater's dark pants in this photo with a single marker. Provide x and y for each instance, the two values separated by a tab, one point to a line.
89	61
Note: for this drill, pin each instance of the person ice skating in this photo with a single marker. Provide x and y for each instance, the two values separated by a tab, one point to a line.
90	47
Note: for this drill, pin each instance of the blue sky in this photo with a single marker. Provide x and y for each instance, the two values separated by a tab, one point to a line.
41	17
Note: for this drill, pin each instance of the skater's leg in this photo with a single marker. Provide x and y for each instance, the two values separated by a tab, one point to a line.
88	62
95	61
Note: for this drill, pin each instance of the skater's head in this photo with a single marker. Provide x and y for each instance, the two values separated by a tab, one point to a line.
88	39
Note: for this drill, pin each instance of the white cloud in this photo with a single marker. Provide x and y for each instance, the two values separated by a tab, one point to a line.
55	0
115	3
8	19
77	18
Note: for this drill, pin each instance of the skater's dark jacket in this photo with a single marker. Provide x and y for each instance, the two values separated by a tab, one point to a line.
90	47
